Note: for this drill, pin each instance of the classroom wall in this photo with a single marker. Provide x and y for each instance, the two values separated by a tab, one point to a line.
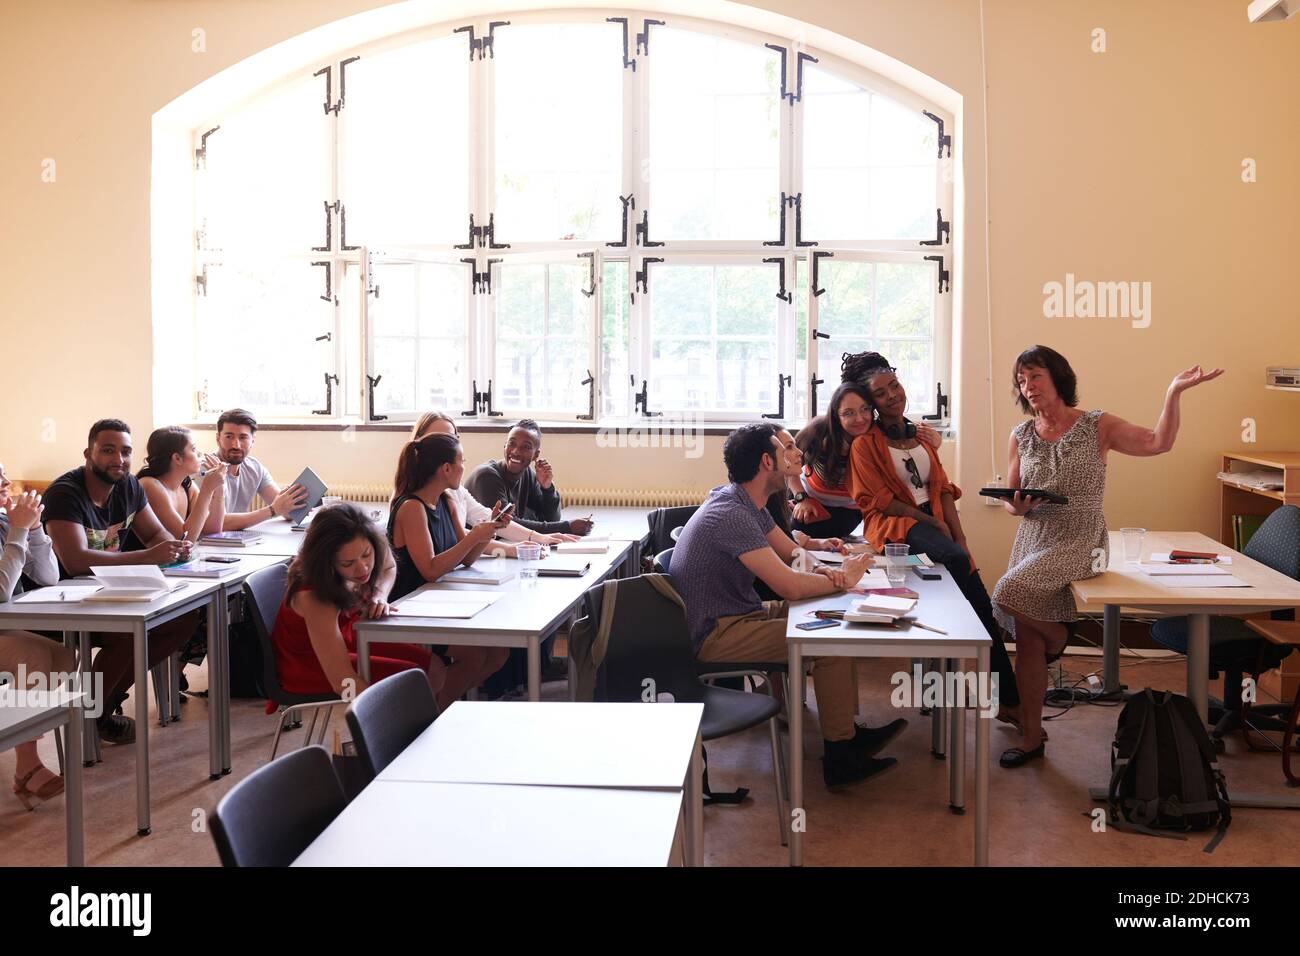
1124	165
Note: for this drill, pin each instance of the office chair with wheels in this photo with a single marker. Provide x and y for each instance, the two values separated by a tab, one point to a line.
273	814
388	715
264	591
1236	649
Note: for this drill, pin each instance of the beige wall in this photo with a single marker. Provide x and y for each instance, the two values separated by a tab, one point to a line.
1116	166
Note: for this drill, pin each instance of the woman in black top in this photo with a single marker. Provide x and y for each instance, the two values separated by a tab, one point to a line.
429	539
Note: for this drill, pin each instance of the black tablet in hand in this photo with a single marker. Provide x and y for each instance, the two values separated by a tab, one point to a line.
1010	493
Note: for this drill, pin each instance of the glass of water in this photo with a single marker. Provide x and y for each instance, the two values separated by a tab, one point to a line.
1132	539
529	554
896	563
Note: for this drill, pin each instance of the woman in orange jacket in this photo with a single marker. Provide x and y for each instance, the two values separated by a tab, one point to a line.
905	496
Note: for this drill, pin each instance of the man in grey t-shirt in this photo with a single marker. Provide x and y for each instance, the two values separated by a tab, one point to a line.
246	477
731	541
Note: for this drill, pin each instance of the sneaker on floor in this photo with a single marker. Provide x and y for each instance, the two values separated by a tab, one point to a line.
873	739
846	762
114	729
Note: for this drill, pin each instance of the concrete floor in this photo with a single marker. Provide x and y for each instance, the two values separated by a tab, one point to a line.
1036	815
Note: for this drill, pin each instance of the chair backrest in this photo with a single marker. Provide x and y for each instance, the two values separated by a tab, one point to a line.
1277	542
662	521
273	814
388	715
663	561
264	593
648	641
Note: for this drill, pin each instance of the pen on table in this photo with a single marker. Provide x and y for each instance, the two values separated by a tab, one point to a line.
929	627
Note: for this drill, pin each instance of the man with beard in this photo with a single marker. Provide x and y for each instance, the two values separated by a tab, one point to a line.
97	515
532	491
246	477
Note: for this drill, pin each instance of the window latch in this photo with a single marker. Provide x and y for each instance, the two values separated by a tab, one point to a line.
628	62
643	275
330	382
782	293
486	399
797	202
481	45
628	201
201	154
945	139
945	277
643	38
590	382
781	382
371	382
591	275
643	231
474	399
816	258
813	382
329	283
643	402
942	231
779	242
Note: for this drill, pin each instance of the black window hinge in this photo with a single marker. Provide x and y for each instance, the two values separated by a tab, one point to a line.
940	404
797	202
628	201
371	287
786	94
485	402
642	278
474	232
813	382
816	258
628	62
783	294
371	382
332	105
942	231
781	241
590	382
330	382
945	277
488	233
473	399
201	281
945	139
343	227
781	382
329	282
482	45
643	231
643	38
201	154
481	281
642	401
591	274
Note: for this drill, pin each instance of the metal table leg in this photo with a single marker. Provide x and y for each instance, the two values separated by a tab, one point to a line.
534	667
141	641
693	794
1110	650
215	751
982	773
956	750
798	818
1198	663
74	821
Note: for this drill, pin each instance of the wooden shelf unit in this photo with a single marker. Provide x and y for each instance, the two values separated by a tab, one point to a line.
1237	499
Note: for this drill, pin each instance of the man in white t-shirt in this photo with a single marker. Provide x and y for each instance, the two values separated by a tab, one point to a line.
246	477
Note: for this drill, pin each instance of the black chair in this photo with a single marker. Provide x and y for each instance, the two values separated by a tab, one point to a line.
662	521
663	561
388	715
264	592
663	654
1236	649
271	816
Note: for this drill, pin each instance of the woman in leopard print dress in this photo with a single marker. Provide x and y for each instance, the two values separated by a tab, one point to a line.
1063	450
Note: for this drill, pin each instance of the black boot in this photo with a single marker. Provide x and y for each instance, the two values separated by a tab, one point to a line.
874	739
847	761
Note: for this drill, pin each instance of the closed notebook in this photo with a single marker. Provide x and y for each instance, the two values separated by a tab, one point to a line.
199	568
563	567
450	609
489	572
582	547
913	560
231	539
884	604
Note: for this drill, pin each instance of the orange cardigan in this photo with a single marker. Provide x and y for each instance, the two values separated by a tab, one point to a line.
874	483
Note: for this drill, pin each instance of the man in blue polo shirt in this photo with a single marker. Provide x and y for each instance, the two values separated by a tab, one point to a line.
730	542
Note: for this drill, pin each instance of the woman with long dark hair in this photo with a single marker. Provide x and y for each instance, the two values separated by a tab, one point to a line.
187	511
429	539
1063	450
343	571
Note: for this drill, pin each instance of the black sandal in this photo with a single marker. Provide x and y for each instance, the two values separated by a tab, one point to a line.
1018	757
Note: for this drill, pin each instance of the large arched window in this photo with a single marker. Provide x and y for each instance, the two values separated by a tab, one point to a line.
564	214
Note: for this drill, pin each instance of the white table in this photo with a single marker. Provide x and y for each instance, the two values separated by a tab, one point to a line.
523	615
562	744
1123	585
439	824
620	523
26	715
135	618
942	605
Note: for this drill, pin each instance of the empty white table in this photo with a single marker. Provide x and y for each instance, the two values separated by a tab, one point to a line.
26	715
134	618
523	615
563	744
442	824
941	605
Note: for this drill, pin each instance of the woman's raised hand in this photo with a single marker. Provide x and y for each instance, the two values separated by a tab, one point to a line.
1191	377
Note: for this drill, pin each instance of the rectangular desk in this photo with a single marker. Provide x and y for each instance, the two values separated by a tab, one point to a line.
26	715
135	619
562	744
1125	586
620	523
438	824
942	605
524	615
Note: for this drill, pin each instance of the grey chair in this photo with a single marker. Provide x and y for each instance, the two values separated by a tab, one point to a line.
388	715
271	816
264	592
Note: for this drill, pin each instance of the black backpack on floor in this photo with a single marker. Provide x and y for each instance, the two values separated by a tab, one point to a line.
1164	774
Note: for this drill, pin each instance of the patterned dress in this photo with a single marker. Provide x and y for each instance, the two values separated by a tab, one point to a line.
1056	545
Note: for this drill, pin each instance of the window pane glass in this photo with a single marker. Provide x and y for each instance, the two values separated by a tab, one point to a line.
713	338
868	163
418	336
404	137
715	110
256	342
543	328
267	175
615	312
559	131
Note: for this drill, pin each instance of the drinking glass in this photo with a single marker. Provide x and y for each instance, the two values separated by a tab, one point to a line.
1132	538
896	563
